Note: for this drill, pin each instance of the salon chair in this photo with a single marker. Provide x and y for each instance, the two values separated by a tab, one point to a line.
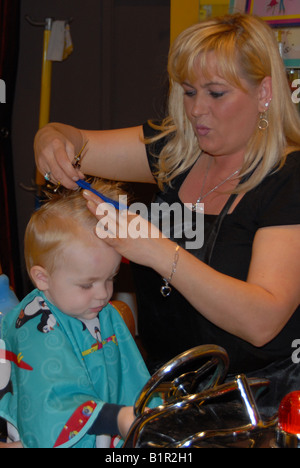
126	314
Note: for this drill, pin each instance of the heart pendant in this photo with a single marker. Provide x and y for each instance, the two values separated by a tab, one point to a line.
166	290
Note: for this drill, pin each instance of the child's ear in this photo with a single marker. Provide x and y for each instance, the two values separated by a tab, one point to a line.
40	277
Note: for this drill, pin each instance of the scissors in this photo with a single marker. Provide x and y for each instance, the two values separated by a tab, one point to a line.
85	185
77	160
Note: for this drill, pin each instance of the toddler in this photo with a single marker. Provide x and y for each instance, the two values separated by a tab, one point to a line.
69	369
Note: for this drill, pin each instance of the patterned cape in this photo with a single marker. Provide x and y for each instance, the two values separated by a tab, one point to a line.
55	376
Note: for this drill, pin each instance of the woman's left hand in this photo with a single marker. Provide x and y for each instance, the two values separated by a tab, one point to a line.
130	234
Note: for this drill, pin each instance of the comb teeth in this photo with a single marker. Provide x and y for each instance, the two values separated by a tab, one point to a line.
85	185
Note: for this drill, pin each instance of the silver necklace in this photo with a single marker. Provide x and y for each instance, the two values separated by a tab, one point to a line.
195	206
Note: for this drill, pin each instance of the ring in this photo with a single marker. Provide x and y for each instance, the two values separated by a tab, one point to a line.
47	176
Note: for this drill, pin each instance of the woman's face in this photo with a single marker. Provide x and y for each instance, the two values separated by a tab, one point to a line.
223	116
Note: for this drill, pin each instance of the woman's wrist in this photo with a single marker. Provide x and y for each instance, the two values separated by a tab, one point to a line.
163	254
166	288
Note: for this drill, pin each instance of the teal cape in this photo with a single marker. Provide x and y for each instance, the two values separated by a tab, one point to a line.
55	376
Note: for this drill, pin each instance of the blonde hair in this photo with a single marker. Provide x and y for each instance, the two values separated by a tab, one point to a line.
245	47
60	221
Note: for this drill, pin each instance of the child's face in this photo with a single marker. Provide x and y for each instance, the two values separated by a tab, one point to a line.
83	283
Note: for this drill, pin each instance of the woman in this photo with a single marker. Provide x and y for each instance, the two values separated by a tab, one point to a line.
231	141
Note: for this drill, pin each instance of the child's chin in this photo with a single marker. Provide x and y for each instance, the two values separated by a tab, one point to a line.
92	313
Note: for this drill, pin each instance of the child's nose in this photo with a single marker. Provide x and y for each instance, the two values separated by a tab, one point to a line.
101	292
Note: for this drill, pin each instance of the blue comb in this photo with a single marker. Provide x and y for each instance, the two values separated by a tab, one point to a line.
85	185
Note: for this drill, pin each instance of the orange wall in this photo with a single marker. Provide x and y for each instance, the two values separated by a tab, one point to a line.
184	13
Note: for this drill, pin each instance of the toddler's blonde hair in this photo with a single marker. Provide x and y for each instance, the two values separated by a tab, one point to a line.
61	220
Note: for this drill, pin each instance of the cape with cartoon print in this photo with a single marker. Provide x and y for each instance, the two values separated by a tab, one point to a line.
56	377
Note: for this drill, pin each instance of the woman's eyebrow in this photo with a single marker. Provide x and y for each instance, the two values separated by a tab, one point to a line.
206	85
187	84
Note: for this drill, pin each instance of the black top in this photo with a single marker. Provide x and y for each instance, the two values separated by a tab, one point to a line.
169	326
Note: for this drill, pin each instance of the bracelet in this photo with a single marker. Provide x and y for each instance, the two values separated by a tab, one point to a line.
166	288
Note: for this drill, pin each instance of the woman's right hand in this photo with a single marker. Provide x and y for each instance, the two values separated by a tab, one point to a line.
56	146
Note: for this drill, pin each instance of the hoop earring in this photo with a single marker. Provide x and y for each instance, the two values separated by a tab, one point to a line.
263	123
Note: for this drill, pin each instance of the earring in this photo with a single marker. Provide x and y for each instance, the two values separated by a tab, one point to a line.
263	123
